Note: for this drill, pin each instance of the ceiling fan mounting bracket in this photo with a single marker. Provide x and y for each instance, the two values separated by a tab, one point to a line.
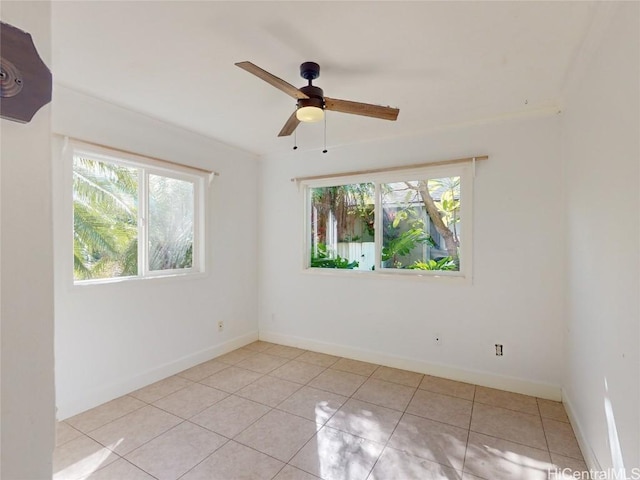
309	71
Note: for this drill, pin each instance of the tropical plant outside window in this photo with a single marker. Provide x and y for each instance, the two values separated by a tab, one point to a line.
342	226
171	217
130	220
421	223
405	225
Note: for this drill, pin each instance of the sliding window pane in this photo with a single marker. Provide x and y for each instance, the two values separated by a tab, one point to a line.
105	219
171	223
342	227
421	224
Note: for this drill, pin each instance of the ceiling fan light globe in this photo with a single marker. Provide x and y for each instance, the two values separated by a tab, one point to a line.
310	114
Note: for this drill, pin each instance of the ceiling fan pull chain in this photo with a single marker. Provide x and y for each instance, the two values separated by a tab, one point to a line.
295	140
325	135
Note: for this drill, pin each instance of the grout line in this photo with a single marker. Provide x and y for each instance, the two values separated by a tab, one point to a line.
466	448
507	440
135	466
205	458
449	394
507	408
544	430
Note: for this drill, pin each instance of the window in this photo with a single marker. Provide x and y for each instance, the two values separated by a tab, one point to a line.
416	222
133	219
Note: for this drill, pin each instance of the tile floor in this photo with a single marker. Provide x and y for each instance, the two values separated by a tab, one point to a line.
269	411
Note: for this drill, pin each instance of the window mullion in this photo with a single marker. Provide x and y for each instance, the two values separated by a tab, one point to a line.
377	233
199	224
143	221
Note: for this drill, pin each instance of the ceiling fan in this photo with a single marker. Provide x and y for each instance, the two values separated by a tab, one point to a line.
311	100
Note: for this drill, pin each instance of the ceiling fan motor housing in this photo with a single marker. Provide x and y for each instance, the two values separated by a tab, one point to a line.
315	94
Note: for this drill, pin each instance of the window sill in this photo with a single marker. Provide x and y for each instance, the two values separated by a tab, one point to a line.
402	276
171	277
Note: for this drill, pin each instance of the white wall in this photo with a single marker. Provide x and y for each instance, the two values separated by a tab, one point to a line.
601	136
27	275
112	339
517	293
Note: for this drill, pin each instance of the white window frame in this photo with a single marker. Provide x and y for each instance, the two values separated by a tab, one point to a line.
145	167
464	171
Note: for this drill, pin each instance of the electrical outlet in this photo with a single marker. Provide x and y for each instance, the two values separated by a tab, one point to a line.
220	325
437	340
498	349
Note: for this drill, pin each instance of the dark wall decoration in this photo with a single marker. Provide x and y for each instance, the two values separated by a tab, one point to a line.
25	81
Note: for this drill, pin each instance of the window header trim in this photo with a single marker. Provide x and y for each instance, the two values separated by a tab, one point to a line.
396	168
83	145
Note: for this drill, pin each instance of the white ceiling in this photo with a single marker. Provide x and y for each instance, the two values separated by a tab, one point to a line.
441	63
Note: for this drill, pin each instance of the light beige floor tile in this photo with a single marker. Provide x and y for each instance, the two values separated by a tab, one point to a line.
120	470
493	458
293	473
230	416
510	400
365	420
313	404
320	359
78	458
65	433
511	442
395	464
561	438
443	408
435	441
176	451
105	413
231	379
269	390
160	389
403	377
509	425
448	387
236	356
355	366
298	372
284	351
259	346
278	434
335	455
553	410
262	363
570	467
386	394
191	400
342	383
235	461
134	429
204	370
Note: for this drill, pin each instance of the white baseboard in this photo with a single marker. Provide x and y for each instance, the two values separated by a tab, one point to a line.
83	401
511	384
585	447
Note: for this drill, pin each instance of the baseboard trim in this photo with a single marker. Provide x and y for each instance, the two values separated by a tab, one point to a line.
585	447
511	384
87	400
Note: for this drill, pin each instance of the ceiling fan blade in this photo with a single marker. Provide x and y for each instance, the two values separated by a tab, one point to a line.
290	126
272	79
357	108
